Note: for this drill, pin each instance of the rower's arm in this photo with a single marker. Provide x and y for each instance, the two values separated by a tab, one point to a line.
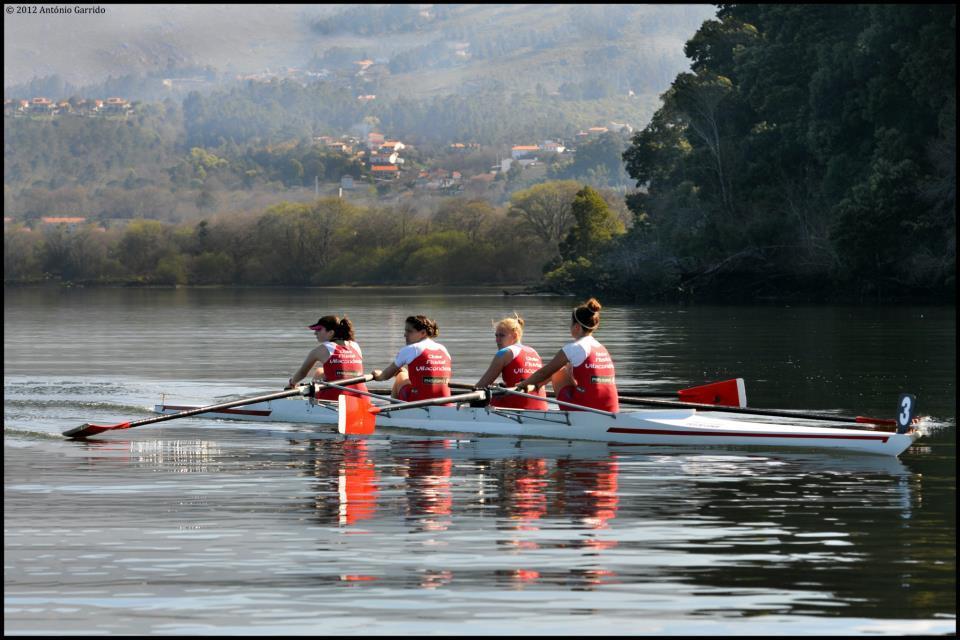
543	374
494	370
387	373
317	355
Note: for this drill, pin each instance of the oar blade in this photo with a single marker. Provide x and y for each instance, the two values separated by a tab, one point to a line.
729	393
355	416
86	430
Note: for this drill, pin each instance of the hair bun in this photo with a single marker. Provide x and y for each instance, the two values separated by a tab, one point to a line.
593	305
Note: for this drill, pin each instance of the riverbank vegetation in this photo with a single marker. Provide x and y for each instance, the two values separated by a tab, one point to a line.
325	242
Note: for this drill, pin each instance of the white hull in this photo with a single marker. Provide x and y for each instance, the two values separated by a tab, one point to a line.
658	427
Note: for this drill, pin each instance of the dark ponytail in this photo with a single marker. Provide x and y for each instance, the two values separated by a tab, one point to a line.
342	329
587	315
423	323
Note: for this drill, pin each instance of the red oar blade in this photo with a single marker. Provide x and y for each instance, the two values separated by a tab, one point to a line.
356	416
729	393
88	429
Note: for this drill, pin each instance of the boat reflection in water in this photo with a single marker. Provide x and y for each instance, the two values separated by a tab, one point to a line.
722	514
577	516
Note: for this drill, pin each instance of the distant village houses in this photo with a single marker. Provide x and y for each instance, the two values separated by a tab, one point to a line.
44	106
549	146
116	105
440	180
375	140
383	172
388	153
523	151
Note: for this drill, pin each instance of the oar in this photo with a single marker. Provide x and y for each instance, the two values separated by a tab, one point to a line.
375	396
755	412
356	416
730	393
562	403
88	429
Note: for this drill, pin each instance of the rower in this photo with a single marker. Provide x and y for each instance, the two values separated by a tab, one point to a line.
514	361
423	368
582	371
338	355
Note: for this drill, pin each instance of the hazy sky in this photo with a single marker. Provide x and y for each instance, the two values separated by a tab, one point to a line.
86	48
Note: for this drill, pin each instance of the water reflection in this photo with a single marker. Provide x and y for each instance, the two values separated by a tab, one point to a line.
719	522
182	456
427	485
814	534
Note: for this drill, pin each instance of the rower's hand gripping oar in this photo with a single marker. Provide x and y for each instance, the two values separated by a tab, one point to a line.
87	430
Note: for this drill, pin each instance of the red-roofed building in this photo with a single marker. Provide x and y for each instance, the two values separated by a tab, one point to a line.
41	105
385	171
523	151
116	105
62	220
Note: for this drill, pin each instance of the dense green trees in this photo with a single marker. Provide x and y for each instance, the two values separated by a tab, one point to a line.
808	150
587	241
324	242
597	161
545	211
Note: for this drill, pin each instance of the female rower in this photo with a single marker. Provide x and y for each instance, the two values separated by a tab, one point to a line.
423	368
338	356
582	371
514	361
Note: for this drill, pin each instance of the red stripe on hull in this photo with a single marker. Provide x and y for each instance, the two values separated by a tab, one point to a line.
668	432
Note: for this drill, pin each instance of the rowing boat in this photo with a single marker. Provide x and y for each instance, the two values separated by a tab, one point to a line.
646	427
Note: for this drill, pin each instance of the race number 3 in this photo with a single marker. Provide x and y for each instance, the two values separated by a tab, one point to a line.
906	409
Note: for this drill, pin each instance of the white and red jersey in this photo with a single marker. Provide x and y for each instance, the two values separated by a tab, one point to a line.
345	361
594	373
525	362
430	368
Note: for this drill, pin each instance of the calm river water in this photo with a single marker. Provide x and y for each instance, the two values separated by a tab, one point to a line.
200	527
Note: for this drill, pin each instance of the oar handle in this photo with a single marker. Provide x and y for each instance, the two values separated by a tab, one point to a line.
475	396
550	393
375	396
578	407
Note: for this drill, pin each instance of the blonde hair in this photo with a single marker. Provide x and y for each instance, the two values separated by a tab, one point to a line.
514	324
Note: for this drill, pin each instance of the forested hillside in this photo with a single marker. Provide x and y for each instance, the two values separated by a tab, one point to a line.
811	149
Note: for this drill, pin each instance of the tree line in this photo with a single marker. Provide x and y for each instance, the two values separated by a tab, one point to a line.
328	241
811	150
